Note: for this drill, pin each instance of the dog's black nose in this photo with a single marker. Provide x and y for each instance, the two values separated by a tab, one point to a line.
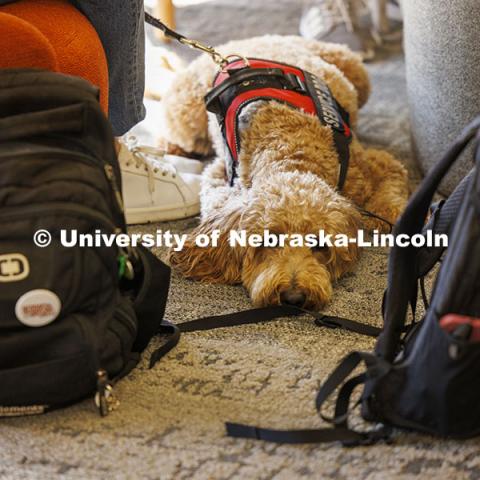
293	297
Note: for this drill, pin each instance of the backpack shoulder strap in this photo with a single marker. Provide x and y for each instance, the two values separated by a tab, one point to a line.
402	267
441	222
150	303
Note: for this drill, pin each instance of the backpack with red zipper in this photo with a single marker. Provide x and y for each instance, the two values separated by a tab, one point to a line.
423	375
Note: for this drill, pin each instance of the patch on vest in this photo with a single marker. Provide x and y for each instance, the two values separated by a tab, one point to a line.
327	107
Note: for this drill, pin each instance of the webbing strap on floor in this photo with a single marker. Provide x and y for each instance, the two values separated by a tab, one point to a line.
266	314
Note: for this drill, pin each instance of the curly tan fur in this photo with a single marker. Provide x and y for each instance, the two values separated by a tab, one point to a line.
288	171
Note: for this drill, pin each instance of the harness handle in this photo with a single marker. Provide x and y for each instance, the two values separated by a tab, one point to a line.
232	58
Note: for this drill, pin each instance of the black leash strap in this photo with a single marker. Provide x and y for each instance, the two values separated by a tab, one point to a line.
331	321
246	317
266	314
218	58
155	22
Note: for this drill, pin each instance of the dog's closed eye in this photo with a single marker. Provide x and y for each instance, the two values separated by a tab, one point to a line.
320	249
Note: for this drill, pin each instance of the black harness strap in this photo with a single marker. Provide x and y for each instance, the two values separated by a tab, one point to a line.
257	78
330	112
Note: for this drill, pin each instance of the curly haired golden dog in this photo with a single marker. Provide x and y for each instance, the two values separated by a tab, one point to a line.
287	176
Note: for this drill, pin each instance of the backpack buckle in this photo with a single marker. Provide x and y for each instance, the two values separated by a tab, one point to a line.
382	433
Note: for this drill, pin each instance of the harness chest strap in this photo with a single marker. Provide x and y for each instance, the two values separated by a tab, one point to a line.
238	85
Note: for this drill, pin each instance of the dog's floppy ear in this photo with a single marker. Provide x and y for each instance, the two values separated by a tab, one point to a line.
220	264
184	114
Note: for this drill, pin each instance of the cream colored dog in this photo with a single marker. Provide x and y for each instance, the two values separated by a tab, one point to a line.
287	177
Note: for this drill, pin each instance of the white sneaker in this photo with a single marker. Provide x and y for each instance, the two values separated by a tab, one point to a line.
182	164
337	21
153	189
185	164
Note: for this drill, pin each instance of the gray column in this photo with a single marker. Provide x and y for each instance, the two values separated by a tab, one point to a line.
442	48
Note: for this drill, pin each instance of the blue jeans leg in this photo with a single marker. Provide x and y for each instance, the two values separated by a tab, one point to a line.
120	26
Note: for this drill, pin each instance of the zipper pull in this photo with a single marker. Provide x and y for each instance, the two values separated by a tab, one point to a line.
109	172
104	398
125	267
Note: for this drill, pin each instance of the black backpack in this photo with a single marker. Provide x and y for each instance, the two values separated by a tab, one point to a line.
72	320
422	376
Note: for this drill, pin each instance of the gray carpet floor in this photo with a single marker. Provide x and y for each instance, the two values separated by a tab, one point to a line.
170	424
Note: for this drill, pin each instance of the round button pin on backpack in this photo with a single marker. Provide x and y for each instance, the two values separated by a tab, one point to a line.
38	308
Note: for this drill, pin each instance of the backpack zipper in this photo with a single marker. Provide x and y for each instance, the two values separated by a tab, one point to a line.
104	398
108	171
112	179
64	207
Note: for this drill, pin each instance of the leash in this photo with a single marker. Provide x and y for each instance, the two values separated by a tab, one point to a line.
267	314
254	316
217	57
